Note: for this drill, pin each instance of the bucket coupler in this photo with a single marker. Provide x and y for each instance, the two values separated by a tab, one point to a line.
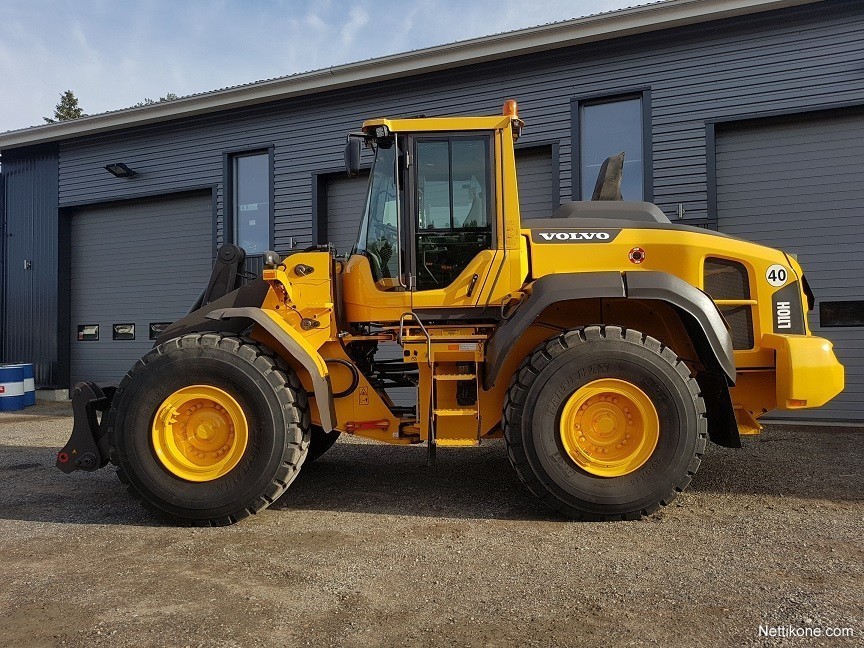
87	447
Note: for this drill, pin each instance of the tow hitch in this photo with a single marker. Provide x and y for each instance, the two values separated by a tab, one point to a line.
87	448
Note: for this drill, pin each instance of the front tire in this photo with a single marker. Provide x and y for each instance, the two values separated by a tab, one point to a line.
209	428
604	423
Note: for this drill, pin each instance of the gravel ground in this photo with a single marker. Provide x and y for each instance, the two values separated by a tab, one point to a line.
370	547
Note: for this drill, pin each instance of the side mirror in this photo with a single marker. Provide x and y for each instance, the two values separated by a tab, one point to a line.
352	157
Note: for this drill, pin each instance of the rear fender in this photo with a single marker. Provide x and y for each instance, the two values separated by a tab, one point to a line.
700	316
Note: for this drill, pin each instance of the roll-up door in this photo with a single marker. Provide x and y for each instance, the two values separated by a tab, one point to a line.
796	184
133	264
346	201
538	188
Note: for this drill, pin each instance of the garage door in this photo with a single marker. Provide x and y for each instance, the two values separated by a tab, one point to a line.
135	264
798	185
538	188
346	201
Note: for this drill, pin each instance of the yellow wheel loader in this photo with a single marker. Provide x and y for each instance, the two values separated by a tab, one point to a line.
604	343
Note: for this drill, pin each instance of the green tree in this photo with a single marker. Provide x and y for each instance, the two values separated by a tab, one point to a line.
66	109
149	102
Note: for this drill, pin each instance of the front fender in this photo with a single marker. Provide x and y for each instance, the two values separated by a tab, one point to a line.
297	347
232	313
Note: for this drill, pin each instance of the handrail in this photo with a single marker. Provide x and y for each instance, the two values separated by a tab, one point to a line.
422	328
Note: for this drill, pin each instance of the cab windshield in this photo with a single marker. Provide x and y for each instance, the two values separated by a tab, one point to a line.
379	232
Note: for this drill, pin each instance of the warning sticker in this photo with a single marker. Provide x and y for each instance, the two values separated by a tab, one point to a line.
364	396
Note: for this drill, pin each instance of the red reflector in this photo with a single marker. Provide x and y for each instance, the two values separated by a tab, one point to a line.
62	457
637	255
381	424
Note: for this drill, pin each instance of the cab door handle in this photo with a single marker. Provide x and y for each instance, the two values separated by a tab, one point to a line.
472	284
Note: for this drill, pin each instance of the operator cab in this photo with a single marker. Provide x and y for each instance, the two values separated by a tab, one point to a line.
427	222
432	233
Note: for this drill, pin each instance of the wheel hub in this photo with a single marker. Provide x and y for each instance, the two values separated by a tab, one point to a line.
609	427
199	433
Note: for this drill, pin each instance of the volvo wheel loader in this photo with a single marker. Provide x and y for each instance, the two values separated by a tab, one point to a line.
606	344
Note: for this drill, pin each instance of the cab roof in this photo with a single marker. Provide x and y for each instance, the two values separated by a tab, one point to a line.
428	124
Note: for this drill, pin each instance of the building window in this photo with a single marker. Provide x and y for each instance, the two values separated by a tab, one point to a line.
606	127
251	190
841	313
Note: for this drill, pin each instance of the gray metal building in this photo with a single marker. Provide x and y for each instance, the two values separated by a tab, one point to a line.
741	115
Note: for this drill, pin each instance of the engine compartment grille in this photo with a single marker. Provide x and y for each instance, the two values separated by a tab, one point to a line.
727	281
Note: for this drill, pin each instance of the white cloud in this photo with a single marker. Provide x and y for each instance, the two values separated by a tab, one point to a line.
357	19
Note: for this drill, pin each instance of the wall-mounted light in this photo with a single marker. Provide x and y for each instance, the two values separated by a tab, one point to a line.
120	170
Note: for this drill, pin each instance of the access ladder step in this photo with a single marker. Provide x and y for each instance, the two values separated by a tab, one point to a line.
454	443
455	412
445	339
466	376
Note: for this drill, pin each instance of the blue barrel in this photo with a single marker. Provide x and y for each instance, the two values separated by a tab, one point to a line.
29	384
12	388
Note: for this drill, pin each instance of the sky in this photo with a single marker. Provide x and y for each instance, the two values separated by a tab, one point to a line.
113	54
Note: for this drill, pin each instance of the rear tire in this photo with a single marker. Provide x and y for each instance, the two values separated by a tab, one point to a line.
544	396
272	405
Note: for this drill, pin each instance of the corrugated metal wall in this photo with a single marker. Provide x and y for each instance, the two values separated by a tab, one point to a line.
31	330
2	258
780	60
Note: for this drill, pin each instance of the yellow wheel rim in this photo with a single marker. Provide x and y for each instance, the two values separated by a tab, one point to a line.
609	427
199	433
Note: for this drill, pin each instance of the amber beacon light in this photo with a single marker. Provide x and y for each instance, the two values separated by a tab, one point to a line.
511	110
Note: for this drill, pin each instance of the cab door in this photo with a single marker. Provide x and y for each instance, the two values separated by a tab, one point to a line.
374	278
454	237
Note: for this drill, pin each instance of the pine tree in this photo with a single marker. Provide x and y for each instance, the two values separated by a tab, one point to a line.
66	109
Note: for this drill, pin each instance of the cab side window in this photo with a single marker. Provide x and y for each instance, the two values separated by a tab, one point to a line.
454	207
